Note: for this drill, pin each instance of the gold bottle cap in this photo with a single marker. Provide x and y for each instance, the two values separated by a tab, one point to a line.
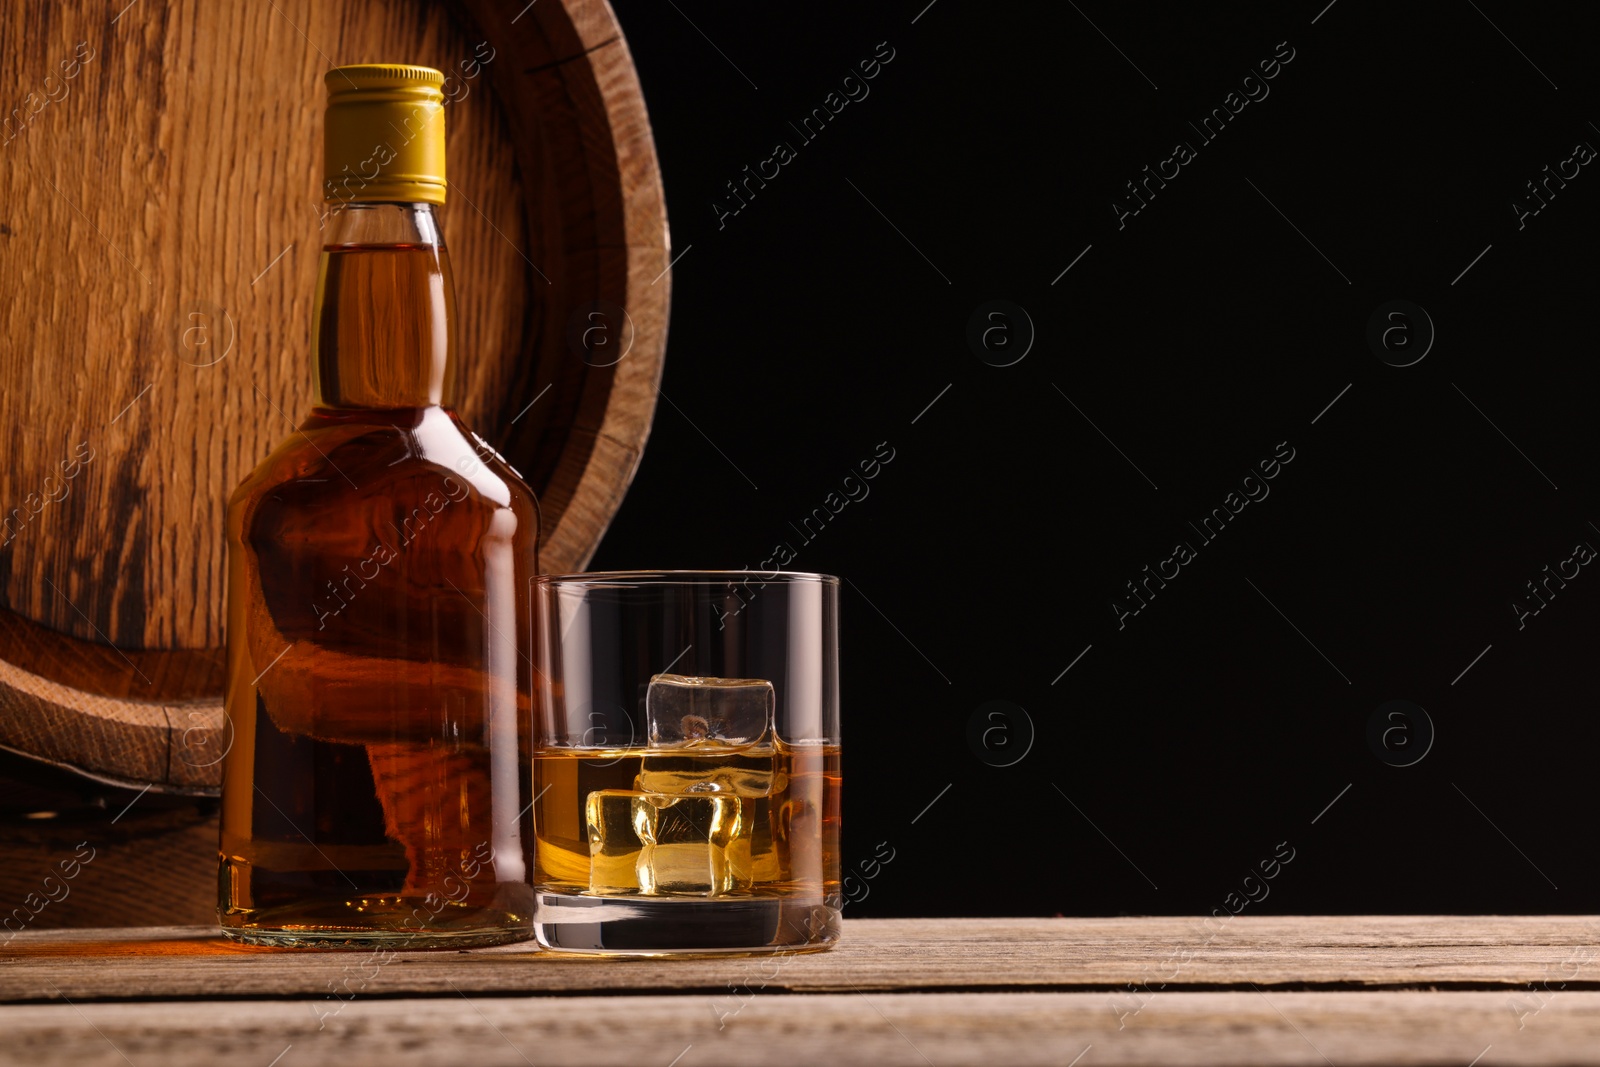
383	134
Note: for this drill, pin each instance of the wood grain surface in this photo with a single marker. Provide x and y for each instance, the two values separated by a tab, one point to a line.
1231	1029
1265	990
160	208
1283	953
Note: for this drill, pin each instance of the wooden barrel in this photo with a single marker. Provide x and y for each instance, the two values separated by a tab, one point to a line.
160	216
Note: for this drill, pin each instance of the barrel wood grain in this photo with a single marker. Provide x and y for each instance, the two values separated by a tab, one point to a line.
177	171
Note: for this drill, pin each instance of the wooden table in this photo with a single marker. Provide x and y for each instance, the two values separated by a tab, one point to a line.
1254	990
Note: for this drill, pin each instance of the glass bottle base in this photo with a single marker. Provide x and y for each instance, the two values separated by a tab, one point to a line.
369	940
384	923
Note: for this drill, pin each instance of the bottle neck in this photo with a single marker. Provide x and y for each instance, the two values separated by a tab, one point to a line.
383	334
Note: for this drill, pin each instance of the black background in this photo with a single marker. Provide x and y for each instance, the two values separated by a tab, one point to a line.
1222	319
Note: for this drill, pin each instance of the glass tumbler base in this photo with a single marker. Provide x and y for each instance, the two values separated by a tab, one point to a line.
684	926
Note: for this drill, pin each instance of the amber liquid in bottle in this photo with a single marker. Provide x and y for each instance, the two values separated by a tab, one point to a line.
376	791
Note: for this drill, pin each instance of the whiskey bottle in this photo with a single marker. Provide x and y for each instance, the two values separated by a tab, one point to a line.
376	791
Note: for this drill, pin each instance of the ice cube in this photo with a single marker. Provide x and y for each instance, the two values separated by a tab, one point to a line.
657	844
684	710
753	774
709	735
744	772
756	775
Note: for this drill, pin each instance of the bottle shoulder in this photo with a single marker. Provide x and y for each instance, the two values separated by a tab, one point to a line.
399	454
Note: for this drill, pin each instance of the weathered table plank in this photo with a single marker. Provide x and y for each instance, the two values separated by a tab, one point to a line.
914	1029
1269	952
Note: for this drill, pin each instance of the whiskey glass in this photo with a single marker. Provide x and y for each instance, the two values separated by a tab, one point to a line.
686	762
